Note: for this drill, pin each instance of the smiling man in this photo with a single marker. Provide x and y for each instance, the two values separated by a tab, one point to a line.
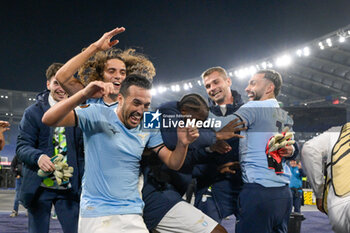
36	144
265	198
114	141
101	61
217	190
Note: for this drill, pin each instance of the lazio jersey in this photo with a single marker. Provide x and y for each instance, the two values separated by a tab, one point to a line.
112	162
102	102
264	119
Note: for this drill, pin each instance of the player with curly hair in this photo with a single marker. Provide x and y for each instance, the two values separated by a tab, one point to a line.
101	61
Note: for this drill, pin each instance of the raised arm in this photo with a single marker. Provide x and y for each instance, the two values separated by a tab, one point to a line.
175	159
65	75
62	114
4	126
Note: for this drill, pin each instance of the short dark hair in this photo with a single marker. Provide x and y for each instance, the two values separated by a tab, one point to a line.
274	77
193	101
134	80
52	70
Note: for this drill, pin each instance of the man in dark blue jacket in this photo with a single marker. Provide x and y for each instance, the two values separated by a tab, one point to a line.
163	188
217	190
36	144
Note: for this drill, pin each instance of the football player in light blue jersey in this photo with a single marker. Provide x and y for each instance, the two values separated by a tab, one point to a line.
110	194
101	61
265	199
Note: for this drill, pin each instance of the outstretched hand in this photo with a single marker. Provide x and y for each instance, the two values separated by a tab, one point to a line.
98	89
221	147
229	167
281	143
105	41
229	130
187	135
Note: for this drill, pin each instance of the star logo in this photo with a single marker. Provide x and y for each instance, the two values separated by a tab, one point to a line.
152	120
156	115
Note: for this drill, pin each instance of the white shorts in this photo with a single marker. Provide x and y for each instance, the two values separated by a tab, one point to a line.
339	212
185	218
113	224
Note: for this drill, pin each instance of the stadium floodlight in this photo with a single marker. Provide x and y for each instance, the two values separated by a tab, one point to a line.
154	91
190	85
321	45
239	73
199	82
252	70
329	42
186	86
177	88
6	97
2	96
161	89
269	65
30	99
341	39
264	65
173	88
243	73
230	74
299	52
283	61
306	51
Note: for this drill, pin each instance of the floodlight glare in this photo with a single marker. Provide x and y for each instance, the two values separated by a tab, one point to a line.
321	45
173	88
153	91
306	51
283	61
341	39
161	89
240	73
190	84
264	65
185	86
299	52
199	82
329	42
252	70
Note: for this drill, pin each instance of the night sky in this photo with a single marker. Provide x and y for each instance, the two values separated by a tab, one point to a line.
182	38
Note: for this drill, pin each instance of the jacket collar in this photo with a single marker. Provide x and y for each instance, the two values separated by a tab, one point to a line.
231	108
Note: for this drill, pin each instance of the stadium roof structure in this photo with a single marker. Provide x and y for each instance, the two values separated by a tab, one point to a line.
316	73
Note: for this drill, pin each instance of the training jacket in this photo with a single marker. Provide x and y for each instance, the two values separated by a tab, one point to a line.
34	139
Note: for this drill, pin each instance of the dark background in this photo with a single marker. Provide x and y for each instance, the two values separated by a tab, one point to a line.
182	38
